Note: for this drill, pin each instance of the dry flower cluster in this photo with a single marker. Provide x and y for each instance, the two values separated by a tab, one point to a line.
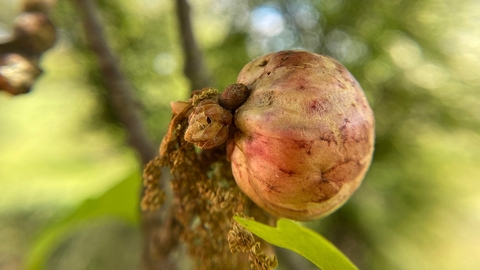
205	196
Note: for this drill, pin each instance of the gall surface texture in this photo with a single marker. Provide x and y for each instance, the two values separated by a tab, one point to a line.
304	137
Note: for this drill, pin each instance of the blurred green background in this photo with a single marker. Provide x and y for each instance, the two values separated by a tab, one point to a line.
69	185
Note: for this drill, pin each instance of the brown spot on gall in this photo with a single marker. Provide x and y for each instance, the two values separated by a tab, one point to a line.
287	171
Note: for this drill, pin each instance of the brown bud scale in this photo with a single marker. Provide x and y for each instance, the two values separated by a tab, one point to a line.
208	125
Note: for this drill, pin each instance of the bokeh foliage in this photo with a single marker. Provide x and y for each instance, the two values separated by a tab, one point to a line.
417	61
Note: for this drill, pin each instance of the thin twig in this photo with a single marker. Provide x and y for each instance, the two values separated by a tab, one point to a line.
120	90
121	98
194	69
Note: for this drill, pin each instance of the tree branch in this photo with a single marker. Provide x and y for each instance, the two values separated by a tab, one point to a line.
120	91
194	69
155	225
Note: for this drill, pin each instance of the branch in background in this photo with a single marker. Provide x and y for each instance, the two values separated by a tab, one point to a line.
156	226
33	34
118	87
163	240
194	69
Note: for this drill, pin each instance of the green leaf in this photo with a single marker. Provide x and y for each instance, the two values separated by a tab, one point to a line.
120	201
304	241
